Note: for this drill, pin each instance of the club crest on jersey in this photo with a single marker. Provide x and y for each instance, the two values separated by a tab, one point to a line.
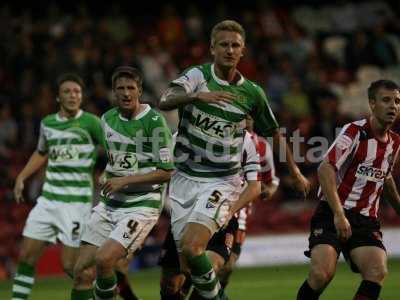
370	173
214	126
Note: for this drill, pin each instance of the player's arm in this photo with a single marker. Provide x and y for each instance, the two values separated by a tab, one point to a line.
327	180
36	161
250	193
268	190
391	193
301	183
154	177
266	125
185	90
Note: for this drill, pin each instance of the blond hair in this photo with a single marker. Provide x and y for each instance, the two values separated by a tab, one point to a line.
227	25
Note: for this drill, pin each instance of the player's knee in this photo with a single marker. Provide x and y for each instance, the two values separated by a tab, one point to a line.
376	273
105	260
192	249
321	276
83	276
27	256
68	267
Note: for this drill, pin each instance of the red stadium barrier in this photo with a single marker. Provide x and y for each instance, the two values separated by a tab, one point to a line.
50	262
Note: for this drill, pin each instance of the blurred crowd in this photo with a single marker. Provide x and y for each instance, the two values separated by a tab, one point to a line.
314	60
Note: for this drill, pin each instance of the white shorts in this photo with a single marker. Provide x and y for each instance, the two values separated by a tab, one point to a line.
52	220
200	202
130	229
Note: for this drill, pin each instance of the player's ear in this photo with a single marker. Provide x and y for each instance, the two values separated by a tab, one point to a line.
212	49
372	103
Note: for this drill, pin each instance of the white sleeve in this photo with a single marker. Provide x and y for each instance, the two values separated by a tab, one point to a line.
42	146
250	158
191	80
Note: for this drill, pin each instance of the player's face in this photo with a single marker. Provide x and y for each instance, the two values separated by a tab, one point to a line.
70	97
227	49
249	123
386	106
127	93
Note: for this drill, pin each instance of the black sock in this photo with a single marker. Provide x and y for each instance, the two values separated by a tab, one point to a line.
177	296
368	290
307	293
124	288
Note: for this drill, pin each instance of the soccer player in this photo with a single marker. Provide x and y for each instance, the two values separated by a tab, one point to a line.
173	281
137	141
352	176
67	144
212	100
269	185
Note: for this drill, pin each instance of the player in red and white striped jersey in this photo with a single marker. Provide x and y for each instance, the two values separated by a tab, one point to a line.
269	185
355	170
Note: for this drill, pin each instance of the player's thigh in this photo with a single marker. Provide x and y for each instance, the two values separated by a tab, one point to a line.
371	261
110	253
31	250
195	239
86	257
323	261
69	256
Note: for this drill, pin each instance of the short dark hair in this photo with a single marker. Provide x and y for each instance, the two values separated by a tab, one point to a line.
382	83
128	72
69	77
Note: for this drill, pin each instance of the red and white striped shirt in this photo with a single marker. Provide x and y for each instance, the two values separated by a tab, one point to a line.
256	148
362	163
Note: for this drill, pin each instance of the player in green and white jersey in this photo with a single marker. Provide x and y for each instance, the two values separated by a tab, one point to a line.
67	144
138	143
212	99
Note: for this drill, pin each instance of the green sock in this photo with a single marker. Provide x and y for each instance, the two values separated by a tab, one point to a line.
105	287
23	281
203	277
82	294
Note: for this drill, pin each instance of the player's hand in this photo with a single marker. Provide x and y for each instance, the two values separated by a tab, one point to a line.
343	227
301	184
18	190
112	185
218	97
225	213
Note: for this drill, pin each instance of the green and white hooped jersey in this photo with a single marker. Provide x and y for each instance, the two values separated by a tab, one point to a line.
71	148
136	146
209	141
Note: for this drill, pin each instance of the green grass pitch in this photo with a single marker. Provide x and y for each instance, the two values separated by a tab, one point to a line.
275	283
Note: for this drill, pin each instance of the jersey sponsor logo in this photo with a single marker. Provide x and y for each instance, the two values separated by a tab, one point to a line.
165	155
370	173
318	231
64	153
214	126
155	118
122	161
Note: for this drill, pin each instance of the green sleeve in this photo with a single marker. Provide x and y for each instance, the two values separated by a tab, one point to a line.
163	150
264	120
